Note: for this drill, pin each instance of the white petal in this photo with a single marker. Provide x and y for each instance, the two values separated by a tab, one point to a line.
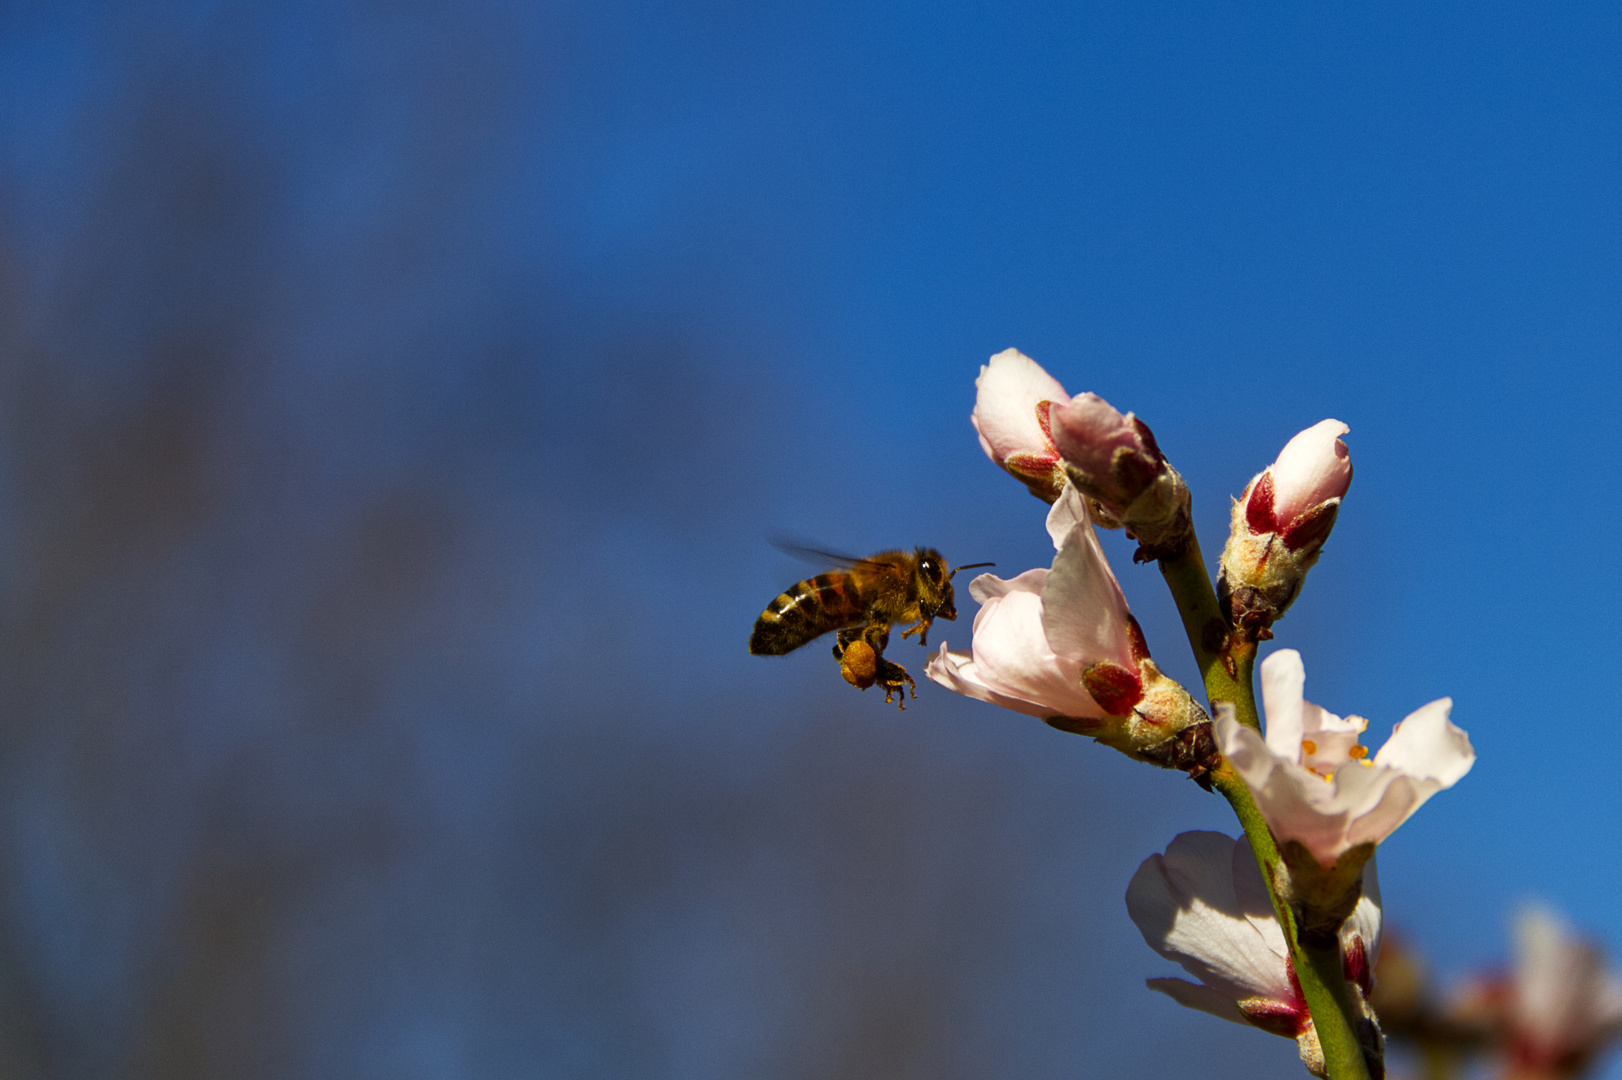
1185	905
1368	919
1284	678
1203	998
1313	467
1549	975
1250	892
1428	745
1009	388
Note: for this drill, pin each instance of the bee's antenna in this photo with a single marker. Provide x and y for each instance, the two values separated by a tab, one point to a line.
968	566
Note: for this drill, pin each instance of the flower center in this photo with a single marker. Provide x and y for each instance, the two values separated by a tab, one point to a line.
1333	745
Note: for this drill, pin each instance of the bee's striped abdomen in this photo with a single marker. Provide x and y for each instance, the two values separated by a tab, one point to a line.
811	608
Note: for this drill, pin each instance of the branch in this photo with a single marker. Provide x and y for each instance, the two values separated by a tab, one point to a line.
1227	662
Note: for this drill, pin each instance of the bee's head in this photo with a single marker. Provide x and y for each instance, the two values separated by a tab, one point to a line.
935	585
948	610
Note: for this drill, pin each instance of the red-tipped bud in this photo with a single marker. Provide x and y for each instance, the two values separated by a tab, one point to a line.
1280	525
1011	414
1313	468
1114	460
1115	688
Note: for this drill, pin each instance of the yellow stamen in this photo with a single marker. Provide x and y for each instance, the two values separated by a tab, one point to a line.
1357	753
1309	747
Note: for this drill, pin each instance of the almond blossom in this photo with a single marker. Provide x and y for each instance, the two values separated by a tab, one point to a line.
1316	784
1036	634
1061	644
1203	905
1557	1009
1011	408
1565	1003
1280	525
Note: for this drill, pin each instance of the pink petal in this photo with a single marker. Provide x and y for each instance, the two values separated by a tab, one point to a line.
1009	388
1089	430
1012	658
1288	796
1084	612
957	672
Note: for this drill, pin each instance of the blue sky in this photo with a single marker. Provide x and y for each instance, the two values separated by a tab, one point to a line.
489	343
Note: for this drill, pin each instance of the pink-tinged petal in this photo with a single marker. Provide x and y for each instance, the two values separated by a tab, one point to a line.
1068	513
1089	430
957	672
1379	801
1010	387
1313	467
1203	998
988	587
1185	904
1084	612
1429	746
1013	658
1284	677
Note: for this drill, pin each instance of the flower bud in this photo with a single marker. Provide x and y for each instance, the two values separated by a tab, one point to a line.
1280	525
1011	409
1115	461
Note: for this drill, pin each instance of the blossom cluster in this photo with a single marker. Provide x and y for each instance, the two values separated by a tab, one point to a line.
1060	643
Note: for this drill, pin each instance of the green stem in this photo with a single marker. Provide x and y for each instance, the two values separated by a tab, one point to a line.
1227	663
1225	660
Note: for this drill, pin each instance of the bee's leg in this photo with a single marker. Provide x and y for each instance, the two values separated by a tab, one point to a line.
922	630
892	677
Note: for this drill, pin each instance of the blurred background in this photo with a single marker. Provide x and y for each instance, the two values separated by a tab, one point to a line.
396	400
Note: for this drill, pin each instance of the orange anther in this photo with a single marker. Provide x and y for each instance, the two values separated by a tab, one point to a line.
1309	747
1357	753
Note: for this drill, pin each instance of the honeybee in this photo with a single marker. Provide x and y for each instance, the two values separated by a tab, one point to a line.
862	600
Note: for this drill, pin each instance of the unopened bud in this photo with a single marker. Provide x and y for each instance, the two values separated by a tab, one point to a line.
1011	410
1280	525
1152	717
1115	461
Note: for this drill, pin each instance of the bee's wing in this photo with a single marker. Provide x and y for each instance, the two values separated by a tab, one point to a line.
819	557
